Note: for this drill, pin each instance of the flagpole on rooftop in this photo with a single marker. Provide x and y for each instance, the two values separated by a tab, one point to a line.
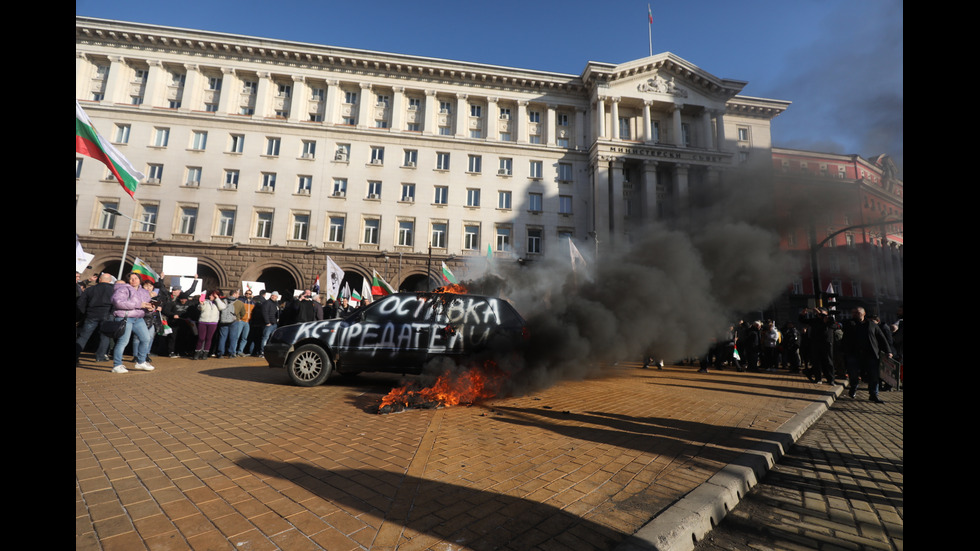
650	28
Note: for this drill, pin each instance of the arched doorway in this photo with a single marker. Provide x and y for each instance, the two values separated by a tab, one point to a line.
419	282
278	280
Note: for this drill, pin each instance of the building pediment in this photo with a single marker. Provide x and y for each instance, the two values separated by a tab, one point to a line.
663	77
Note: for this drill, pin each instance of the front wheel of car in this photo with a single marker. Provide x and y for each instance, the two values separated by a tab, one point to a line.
309	365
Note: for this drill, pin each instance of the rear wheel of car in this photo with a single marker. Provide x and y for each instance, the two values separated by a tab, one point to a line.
309	365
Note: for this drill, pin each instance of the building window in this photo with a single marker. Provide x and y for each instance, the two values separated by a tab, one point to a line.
188	220
471	238
78	167
377	155
533	116
856	289
122	133
272	147
535	170
309	149
305	185
561	119
336	232
154	173
475	163
263	224
505	136
381	123
284	91
505	113
371	227
247	111
348	121
237	144
193	176
408	193
350	98
231	179
743	134
414	104
624	128
439	230
564	172
472	197
411	158
317	94
339	187
406	231
506	167
445	107
442	161
797	286
656	131
445	131
226	222
161	137
250	87
199	140
441	195
534	139
374	189
565	204
107	220
342	153
301	226
534	201
503	238
476	110
148	217
686	134
503	200
413	127
268	181
214	84
534	240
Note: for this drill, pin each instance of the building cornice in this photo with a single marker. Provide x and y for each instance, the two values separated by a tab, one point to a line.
756	107
208	44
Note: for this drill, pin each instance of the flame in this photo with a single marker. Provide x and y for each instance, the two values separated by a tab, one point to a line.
454	288
450	389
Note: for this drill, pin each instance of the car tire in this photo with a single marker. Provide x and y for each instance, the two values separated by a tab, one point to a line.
309	365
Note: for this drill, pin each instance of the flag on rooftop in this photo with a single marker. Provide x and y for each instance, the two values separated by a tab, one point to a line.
90	143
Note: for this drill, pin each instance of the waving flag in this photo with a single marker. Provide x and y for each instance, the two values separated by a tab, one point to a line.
144	271
334	276
90	143
447	275
380	287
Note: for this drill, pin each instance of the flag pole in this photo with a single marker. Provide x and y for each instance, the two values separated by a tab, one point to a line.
650	28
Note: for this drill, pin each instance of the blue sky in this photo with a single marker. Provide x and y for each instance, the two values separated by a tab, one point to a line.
839	61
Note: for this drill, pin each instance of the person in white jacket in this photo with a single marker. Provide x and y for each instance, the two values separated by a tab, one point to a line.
211	307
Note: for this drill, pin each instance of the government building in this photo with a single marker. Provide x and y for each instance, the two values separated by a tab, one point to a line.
263	157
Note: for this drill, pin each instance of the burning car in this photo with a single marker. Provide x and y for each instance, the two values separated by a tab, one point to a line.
398	333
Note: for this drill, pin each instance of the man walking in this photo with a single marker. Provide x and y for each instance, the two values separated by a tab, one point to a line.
863	344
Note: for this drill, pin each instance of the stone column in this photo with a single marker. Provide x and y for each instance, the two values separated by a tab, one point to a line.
549	125
331	102
580	133
83	77
720	129
364	105
706	130
263	96
431	114
298	102
493	119
600	132
156	85
193	89
397	107
115	81
462	115
682	193
647	122
614	116
617	203
649	176
678	137
522	121
231	91
600	198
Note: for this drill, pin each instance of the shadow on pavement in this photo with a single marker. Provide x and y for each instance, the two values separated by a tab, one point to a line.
463	516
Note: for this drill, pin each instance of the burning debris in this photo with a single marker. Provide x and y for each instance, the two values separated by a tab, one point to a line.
465	387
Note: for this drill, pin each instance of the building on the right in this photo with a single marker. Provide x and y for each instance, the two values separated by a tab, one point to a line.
843	219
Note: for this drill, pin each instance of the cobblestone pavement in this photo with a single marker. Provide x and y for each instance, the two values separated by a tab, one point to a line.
227	455
839	488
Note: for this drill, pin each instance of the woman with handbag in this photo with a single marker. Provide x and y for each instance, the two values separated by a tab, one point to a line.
129	304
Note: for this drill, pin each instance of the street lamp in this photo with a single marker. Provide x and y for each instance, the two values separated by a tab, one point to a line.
129	233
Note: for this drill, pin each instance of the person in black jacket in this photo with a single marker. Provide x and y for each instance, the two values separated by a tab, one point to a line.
94	303
864	344
821	344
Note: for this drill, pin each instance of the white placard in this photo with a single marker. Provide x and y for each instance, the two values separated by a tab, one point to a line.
180	265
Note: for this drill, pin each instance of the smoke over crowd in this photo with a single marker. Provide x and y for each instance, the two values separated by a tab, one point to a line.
667	293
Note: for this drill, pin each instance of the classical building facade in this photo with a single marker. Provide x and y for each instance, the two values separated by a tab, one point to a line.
845	222
262	157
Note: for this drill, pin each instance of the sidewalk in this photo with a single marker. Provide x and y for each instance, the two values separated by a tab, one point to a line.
227	454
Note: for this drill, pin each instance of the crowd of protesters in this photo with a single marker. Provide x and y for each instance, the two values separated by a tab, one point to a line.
138	313
817	345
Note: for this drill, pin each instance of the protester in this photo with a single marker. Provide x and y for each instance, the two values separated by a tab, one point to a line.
210	308
864	344
94	305
130	303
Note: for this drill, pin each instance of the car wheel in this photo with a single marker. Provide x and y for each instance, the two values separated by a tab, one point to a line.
309	365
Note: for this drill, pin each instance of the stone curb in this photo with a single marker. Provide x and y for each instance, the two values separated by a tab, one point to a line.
687	521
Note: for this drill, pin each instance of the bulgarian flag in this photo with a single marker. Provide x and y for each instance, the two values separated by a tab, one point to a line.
649	14
90	143
380	287
448	275
144	271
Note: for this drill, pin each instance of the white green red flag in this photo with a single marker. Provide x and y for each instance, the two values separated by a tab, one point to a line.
144	271
447	275
380	287
90	143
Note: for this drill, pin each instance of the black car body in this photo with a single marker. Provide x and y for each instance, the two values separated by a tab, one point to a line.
398	333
